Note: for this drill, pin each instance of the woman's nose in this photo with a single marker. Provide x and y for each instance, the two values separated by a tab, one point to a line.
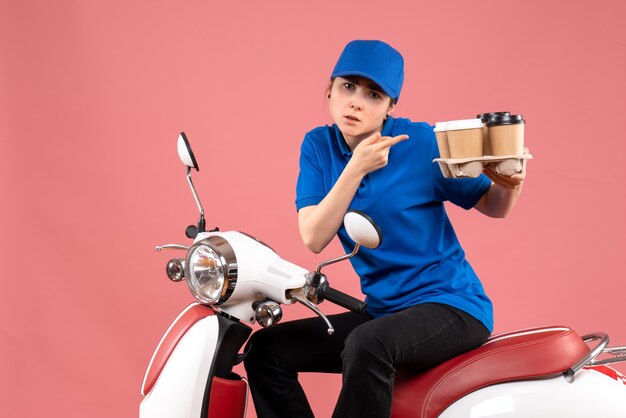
355	104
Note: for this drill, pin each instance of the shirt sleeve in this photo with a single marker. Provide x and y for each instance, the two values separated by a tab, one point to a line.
310	187
463	192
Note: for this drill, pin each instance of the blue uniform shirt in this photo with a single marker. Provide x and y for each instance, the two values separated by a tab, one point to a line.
420	259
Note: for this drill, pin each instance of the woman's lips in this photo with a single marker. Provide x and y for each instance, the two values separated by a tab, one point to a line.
351	118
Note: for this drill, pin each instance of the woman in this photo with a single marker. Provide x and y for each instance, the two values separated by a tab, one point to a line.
425	303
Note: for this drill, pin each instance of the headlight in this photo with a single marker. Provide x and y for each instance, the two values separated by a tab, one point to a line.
211	270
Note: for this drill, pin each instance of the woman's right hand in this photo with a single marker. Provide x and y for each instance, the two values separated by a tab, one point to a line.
372	153
319	223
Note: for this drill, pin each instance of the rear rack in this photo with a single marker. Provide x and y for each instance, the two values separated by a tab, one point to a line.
618	354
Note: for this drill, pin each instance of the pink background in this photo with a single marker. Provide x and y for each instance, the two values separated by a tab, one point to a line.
93	95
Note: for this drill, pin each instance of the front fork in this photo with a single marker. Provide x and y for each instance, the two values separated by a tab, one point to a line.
226	393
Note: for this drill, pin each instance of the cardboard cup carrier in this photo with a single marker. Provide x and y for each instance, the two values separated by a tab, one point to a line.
463	145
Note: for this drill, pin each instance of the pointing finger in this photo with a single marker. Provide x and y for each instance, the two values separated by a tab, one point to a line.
373	138
398	138
388	141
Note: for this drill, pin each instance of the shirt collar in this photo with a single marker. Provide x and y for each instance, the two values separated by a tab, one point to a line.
343	146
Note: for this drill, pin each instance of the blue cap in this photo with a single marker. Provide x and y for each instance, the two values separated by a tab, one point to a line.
375	60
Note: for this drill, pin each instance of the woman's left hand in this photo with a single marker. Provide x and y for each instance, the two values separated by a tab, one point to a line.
500	198
511	182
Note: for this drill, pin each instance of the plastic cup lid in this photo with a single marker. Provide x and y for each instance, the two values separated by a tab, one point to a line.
440	126
486	116
505	120
455	125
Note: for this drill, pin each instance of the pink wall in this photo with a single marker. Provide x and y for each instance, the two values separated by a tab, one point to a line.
93	95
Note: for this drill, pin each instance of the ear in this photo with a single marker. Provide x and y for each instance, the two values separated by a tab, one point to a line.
391	108
330	87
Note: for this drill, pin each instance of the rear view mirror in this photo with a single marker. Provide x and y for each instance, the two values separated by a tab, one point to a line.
185	153
362	229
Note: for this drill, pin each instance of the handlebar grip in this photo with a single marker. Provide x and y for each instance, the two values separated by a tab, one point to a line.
344	300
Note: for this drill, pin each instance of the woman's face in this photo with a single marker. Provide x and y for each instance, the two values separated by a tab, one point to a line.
358	107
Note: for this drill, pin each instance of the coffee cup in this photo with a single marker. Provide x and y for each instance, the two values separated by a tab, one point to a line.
485	117
442	139
506	134
465	138
442	143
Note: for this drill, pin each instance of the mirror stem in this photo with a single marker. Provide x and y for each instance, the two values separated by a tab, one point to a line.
336	260
201	223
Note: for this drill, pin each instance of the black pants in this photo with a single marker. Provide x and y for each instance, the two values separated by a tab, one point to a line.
366	351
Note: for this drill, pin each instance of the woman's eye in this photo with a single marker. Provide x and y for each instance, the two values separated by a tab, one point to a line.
374	95
348	86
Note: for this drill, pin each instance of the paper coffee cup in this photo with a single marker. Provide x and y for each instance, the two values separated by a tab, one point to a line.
465	138
485	117
442	139
506	135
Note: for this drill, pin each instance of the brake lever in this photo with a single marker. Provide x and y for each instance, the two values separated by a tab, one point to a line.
298	294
